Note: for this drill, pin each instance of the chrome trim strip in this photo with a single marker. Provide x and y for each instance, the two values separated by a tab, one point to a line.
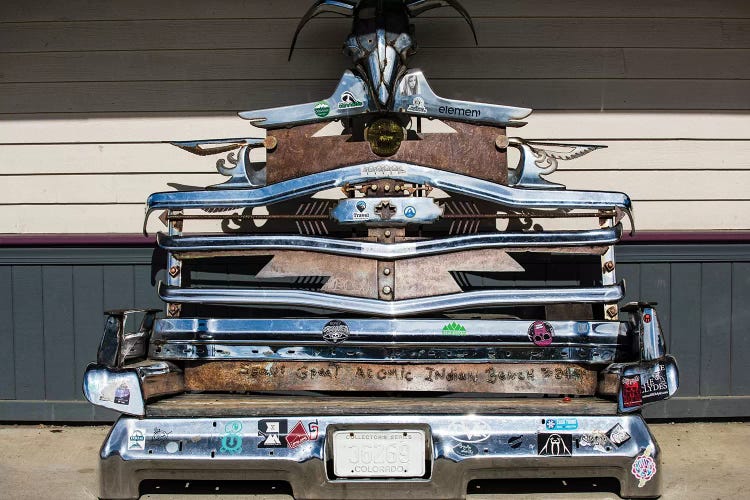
367	249
448	181
303	298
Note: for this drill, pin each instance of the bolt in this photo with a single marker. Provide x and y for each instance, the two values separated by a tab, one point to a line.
174	271
612	311
387	271
407	192
502	141
387	188
374	187
609	266
387	290
397	187
387	234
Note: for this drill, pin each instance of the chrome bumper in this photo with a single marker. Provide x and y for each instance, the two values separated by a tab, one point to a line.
459	449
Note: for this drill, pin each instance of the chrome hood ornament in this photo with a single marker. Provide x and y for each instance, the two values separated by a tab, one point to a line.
382	38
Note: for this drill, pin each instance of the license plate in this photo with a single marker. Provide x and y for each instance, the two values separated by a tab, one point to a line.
378	453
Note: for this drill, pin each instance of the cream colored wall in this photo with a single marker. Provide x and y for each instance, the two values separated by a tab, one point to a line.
90	94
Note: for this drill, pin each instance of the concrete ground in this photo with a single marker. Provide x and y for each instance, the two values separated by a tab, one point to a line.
700	461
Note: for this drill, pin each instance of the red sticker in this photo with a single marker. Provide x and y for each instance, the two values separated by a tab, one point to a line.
541	333
299	435
647	318
631	391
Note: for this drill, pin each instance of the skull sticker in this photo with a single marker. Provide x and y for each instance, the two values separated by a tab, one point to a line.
541	333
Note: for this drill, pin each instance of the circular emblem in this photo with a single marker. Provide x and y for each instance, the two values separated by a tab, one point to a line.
361	205
335	331
541	333
644	468
410	212
465	450
322	109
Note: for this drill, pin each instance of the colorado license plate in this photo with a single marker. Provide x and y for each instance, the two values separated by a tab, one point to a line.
377	453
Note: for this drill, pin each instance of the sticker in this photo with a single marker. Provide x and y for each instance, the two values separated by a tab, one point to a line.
541	333
582	327
273	433
410	212
465	450
299	435
231	442
322	109
467	112
454	329
172	447
122	394
631	391
160	434
383	170
596	440
555	445
656	387
348	101
410	85
515	442
361	206
644	467
618	435
417	106
561	424
136	441
335	331
470	431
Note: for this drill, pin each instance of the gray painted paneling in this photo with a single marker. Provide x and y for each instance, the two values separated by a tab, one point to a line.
716	284
59	350
7	358
28	332
686	325
740	353
88	299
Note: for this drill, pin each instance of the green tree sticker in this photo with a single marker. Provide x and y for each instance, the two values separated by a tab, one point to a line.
454	329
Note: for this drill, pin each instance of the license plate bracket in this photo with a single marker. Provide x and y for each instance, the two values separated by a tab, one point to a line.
379	453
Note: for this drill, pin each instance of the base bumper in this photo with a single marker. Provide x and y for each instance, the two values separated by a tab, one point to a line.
298	450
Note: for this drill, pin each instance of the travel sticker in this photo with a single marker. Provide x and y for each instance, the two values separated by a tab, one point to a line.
322	109
618	435
273	433
470	431
596	440
555	445
299	434
335	331
410	212
656	387
644	467
454	329
561	424
541	333
136	441
348	101
122	394
465	450
231	441
631	391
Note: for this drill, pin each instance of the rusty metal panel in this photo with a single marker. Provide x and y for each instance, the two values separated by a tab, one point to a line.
516	378
470	151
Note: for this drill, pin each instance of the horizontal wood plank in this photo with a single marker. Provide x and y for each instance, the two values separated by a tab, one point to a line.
232	33
230	96
88	10
269	64
542	125
225	405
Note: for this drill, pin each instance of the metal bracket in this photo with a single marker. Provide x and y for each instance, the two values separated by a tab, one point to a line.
538	160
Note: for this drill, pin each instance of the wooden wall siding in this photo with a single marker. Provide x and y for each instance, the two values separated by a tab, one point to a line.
90	90
53	298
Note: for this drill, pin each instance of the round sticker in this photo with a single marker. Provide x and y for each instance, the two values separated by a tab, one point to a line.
335	331
410	212
541	333
322	109
644	468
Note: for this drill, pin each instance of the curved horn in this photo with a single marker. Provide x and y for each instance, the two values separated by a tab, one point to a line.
417	7
343	7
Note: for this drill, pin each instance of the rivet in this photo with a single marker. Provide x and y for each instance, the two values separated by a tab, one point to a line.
387	271
387	234
387	290
174	271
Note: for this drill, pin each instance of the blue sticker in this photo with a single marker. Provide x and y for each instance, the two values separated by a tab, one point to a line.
410	212
361	205
582	327
561	424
